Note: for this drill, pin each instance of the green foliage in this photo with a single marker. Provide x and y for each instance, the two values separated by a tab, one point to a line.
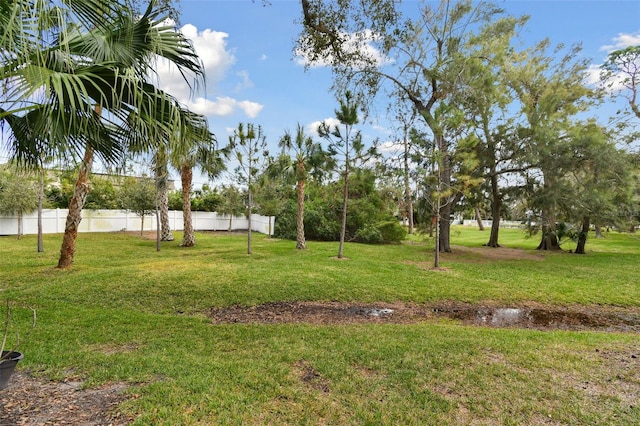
138	195
387	232
18	192
175	200
103	194
369	235
206	200
366	208
392	231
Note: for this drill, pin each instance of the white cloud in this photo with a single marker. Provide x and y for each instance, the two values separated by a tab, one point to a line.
245	81
388	147
264	57
362	42
252	109
382	129
593	75
224	106
217	59
622	40
615	82
211	47
312	128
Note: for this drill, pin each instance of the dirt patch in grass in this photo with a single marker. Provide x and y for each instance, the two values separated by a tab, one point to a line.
31	401
485	253
524	315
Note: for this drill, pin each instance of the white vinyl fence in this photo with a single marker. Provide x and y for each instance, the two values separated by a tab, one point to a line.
53	221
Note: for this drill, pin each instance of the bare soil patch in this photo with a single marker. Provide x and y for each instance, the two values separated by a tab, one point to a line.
31	401
485	253
525	315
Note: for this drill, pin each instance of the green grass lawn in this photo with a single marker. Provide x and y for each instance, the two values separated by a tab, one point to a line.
128	313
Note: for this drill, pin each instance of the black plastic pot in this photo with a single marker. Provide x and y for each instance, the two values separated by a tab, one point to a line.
8	363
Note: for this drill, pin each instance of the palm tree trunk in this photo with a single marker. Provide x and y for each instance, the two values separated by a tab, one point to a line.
162	188
300	240
188	236
74	216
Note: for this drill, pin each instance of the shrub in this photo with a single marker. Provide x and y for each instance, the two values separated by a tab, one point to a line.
369	235
391	231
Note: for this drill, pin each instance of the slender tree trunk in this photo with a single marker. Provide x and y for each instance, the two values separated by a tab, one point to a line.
158	233
74	216
582	237
230	221
142	225
19	224
40	202
300	239
249	211
479	218
345	199
188	236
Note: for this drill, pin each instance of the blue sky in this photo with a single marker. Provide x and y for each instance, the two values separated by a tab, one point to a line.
253	75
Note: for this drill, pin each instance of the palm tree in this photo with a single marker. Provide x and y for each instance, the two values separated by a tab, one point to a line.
99	60
196	150
308	154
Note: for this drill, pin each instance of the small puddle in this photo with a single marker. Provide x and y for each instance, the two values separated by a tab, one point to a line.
541	318
534	316
370	312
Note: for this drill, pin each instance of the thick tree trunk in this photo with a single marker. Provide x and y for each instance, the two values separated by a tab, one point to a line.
582	237
445	229
496	210
479	218
188	236
162	194
447	208
74	216
300	239
598	231
549	239
408	199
